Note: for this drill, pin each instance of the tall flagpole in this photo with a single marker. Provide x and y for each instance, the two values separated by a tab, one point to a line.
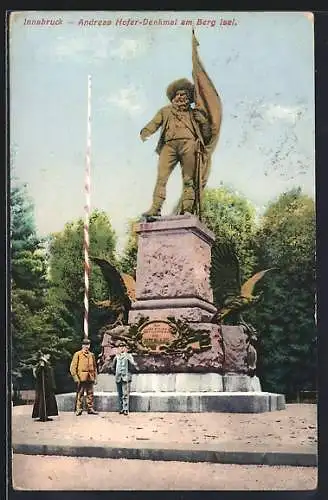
87	216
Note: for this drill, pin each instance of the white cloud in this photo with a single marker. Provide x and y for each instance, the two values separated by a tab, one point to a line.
98	47
74	48
68	47
127	99
290	114
129	49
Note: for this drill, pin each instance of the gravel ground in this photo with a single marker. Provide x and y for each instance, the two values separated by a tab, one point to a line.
68	473
296	426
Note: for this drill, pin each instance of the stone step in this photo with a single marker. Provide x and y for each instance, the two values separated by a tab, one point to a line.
183	382
184	402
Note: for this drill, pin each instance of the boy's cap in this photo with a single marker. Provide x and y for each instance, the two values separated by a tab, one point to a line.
86	342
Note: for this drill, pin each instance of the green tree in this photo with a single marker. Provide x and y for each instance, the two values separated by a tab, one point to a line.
22	223
32	327
66	274
285	316
232	217
128	260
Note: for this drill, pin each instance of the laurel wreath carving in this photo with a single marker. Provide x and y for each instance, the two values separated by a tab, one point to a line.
187	340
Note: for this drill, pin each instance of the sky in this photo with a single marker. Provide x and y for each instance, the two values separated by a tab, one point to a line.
262	66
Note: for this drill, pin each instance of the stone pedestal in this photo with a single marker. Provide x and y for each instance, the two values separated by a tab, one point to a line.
173	264
207	367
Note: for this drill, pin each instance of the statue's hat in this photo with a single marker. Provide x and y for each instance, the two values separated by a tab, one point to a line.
181	84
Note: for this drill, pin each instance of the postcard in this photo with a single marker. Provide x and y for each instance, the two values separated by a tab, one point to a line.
162	198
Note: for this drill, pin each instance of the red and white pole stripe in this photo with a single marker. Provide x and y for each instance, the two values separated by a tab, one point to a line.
87	184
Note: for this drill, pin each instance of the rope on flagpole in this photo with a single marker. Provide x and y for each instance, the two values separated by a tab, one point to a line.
87	216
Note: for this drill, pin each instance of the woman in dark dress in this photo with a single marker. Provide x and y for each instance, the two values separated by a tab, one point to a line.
45	404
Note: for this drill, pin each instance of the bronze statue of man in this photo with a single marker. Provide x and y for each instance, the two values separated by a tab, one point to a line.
185	131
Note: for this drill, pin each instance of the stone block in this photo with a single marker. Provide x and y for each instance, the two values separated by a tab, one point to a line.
195	314
140	402
237	403
153	382
66	402
281	401
277	402
165	382
235	349
106	403
255	384
184	402
105	383
240	383
173	263
198	382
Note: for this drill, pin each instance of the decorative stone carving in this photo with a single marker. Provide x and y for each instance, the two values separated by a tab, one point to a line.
174	256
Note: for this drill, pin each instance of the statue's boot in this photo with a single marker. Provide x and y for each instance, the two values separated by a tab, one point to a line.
187	209
152	213
155	209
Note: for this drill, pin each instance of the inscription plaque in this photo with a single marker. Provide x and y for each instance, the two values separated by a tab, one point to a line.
156	334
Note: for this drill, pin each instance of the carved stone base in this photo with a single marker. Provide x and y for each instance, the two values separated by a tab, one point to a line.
210	360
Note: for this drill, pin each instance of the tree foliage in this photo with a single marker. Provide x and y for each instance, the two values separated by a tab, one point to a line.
232	218
67	269
285	316
33	321
128	260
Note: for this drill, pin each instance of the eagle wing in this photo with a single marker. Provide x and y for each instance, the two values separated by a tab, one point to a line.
224	273
117	288
248	287
130	285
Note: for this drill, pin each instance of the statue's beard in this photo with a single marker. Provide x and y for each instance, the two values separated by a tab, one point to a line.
181	104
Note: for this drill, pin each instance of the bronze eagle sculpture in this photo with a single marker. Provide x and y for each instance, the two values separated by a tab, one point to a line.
231	297
122	291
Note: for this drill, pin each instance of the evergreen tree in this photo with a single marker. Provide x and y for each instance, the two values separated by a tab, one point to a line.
32	320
